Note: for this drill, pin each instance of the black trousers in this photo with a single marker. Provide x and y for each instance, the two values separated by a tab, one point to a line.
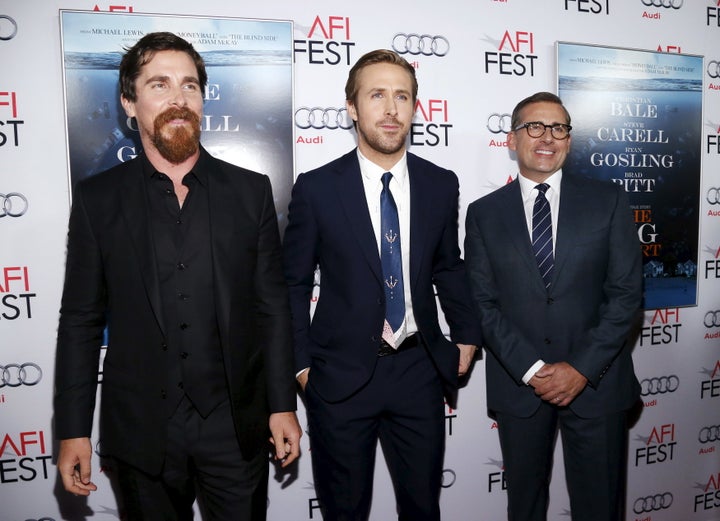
203	462
402	406
594	453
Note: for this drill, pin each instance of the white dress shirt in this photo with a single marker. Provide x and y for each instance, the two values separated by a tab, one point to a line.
529	194
400	189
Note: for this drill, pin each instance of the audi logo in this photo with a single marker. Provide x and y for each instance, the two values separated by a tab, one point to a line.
713	69
319	118
15	375
659	385
13	204
497	123
424	44
7	33
713	196
712	319
448	478
651	503
709	434
675	4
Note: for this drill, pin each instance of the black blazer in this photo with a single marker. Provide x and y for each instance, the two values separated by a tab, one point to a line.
329	225
111	278
586	316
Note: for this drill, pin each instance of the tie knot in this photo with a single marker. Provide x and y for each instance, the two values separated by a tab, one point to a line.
542	188
386	180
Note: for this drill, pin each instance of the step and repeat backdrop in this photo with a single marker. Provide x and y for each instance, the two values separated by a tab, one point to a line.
474	60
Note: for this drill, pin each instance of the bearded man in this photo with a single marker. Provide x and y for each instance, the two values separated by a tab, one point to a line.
178	255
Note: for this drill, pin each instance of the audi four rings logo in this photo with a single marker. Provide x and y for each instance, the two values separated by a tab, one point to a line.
659	385
675	4
712	319
424	44
448	478
7	33
713	69
319	118
709	434
13	204
651	503
497	123
15	375
713	196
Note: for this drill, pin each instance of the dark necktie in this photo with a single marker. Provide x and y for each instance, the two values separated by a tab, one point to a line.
542	241
391	256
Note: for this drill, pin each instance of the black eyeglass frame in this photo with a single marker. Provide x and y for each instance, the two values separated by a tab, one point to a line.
553	127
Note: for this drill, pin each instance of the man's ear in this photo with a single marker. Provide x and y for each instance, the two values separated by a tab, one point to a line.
128	105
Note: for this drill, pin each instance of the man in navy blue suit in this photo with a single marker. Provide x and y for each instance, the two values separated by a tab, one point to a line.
380	224
555	268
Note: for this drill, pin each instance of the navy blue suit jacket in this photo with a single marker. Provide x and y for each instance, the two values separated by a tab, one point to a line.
585	317
330	227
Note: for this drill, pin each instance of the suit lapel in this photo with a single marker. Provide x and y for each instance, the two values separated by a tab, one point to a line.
571	208
421	203
135	214
351	193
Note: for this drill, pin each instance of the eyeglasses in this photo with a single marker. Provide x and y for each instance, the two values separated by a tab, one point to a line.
537	129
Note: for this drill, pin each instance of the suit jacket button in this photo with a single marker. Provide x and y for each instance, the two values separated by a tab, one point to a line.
550	301
163	394
373	339
163	346
547	341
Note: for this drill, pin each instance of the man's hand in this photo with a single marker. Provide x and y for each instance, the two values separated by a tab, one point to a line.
74	466
467	354
558	383
286	433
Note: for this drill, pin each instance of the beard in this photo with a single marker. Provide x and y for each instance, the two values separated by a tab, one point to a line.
380	142
176	144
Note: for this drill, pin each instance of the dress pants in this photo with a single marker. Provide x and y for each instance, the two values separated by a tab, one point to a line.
402	406
203	462
594	452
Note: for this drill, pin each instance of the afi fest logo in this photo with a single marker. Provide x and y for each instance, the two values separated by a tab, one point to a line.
15	295
24	456
712	265
658	447
709	497
710	387
588	6
664	328
712	14
327	42
713	138
515	55
434	129
9	122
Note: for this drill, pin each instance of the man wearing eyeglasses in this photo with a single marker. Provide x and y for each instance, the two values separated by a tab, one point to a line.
555	270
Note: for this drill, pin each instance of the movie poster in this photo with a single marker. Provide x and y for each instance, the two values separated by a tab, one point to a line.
247	116
637	118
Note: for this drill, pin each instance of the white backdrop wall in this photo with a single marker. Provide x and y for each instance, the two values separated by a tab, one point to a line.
496	52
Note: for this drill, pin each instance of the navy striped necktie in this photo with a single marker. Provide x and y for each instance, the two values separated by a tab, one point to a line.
391	256
542	240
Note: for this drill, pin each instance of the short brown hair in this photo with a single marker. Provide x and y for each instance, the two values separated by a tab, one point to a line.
537	98
371	58
143	51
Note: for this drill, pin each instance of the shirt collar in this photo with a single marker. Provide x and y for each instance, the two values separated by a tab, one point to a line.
199	170
373	172
527	187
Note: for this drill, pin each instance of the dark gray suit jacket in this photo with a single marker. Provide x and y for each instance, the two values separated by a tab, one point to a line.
586	316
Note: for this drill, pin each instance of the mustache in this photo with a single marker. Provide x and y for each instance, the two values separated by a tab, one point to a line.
177	113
